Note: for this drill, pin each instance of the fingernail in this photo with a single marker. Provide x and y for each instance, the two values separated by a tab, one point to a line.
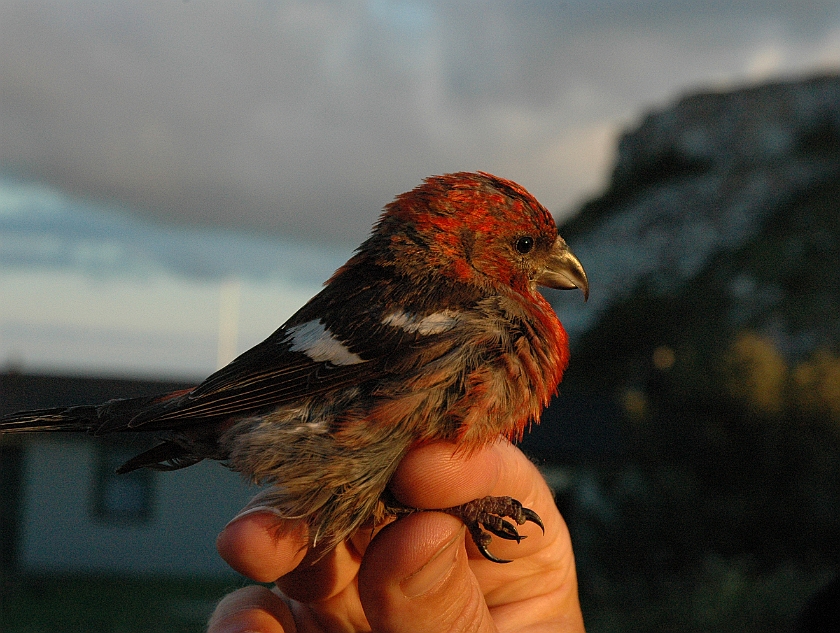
254	510
434	571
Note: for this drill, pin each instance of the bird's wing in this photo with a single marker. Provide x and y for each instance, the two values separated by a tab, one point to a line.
283	370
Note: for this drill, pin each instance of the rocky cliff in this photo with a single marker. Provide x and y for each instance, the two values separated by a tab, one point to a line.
721	221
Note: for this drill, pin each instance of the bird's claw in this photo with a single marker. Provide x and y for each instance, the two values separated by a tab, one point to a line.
532	517
489	514
502	529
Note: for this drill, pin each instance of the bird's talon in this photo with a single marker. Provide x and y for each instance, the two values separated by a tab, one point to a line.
486	553
502	529
487	516
532	517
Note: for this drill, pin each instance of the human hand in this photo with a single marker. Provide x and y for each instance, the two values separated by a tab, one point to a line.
418	573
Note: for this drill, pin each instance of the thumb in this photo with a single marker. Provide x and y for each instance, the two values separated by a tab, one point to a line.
415	576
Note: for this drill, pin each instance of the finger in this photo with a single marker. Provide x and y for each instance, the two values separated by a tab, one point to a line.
540	586
321	576
441	475
253	610
416	577
324	587
261	546
264	548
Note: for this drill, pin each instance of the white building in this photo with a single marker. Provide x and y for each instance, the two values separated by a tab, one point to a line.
63	509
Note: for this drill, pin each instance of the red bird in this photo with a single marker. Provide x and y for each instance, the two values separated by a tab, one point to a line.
433	330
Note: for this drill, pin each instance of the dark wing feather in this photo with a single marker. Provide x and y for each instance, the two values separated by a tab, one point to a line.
270	375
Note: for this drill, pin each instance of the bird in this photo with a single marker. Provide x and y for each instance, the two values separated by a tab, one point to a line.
434	329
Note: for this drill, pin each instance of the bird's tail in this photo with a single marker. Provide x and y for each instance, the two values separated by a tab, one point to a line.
108	417
82	418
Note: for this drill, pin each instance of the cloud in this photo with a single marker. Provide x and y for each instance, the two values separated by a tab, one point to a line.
307	117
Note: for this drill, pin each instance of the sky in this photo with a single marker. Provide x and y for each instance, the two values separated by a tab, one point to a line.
294	123
92	289
305	118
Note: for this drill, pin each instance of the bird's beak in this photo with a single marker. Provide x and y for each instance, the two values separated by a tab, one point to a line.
563	270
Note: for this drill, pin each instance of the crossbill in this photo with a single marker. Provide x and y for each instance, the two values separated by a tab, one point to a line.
433	330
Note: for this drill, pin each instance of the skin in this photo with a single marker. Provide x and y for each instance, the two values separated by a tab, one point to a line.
418	573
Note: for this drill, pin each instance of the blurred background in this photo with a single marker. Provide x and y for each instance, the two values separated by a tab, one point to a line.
177	178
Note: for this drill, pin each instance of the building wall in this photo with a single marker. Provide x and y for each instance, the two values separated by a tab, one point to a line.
61	528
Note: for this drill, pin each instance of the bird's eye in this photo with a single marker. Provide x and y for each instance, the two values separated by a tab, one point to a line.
524	244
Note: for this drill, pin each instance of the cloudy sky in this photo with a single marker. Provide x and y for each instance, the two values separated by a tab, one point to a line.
296	122
305	118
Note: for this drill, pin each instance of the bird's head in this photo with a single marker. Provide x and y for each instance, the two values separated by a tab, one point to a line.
479	230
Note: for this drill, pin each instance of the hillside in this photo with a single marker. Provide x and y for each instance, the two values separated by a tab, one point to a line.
722	221
700	417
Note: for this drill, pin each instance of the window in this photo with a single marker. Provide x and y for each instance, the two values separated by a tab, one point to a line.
124	498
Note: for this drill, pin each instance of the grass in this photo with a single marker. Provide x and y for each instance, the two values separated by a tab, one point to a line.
108	604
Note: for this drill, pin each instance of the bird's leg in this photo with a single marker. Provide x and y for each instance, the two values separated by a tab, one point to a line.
489	513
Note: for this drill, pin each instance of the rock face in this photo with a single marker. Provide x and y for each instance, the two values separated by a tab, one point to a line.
722	216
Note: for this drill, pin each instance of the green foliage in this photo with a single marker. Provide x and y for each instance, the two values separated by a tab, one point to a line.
718	517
